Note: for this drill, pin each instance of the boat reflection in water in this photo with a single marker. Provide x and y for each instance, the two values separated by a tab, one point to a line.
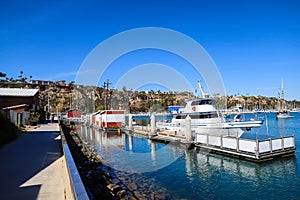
125	152
177	172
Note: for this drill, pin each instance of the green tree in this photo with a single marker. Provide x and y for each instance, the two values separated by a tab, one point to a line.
2	74
21	74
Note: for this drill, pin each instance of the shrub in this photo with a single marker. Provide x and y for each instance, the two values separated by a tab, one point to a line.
8	130
37	117
34	118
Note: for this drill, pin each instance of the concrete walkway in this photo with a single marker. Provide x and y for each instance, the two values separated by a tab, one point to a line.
33	166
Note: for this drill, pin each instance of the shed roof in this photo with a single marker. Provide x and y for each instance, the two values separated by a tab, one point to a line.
18	92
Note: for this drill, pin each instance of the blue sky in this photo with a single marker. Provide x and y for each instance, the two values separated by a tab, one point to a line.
253	43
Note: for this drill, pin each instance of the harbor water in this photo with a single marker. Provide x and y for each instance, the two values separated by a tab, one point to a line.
173	171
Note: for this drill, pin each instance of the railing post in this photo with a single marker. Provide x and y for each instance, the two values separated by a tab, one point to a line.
221	138
207	139
270	144
257	149
282	143
237	144
294	141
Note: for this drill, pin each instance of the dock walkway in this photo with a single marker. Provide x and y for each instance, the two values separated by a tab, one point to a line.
33	166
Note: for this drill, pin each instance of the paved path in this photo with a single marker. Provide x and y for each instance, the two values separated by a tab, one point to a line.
33	166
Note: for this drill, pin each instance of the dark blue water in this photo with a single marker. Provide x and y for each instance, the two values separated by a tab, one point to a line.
175	172
147	117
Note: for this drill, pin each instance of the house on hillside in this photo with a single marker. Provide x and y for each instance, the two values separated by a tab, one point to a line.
41	82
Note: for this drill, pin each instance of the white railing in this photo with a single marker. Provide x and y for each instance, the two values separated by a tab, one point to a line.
245	145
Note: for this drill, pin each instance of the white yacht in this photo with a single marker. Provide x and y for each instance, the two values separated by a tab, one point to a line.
205	118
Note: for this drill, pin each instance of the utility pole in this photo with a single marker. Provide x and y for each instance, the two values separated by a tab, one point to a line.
48	102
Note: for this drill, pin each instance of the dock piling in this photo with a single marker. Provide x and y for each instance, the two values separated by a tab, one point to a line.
188	132
130	122
152	123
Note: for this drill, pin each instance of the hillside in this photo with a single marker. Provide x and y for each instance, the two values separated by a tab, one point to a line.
64	96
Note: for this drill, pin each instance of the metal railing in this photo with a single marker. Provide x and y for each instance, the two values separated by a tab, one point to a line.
78	189
254	147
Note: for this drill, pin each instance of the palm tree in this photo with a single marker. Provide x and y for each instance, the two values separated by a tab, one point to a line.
21	74
2	74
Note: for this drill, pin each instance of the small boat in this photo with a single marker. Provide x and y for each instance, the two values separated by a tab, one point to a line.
283	115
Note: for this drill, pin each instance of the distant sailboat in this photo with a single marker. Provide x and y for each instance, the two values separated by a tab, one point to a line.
282	112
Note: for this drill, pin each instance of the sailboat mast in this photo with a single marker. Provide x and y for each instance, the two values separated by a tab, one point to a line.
279	102
282	95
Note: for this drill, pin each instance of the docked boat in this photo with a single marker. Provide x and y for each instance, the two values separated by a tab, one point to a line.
283	115
294	110
205	118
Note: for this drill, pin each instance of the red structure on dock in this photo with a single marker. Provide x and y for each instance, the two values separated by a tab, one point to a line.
108	119
74	113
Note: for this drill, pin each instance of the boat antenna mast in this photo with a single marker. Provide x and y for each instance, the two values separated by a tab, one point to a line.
203	94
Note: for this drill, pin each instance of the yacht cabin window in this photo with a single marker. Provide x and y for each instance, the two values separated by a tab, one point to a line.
199	116
202	102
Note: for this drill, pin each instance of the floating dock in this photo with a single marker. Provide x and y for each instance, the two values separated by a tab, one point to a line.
253	150
165	139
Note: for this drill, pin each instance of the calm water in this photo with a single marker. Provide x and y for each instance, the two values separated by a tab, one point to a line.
179	173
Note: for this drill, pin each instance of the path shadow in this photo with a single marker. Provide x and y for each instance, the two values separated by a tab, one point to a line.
23	159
